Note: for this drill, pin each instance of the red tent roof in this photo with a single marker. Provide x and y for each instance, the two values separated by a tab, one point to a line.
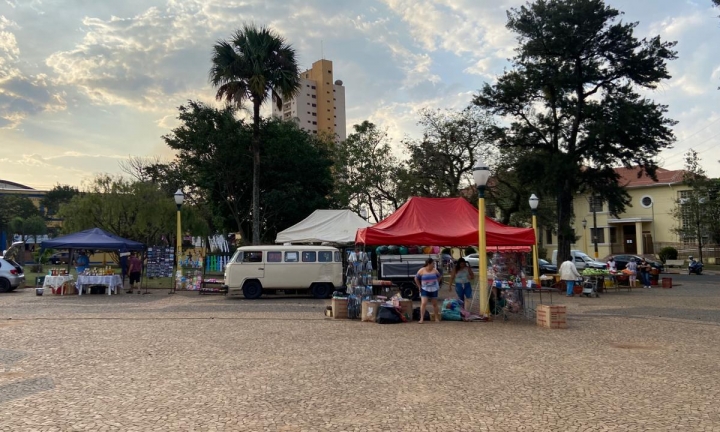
441	222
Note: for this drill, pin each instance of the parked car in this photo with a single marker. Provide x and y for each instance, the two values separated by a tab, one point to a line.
12	275
473	260
59	258
582	260
621	261
544	267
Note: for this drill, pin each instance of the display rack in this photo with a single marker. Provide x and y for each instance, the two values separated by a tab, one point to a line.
160	262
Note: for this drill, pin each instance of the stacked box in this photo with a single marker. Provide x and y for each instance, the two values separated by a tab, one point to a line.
340	308
406	307
370	310
551	316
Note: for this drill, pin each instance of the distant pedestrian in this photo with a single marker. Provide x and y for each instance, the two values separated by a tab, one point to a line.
82	262
461	276
134	270
644	270
570	275
632	268
611	265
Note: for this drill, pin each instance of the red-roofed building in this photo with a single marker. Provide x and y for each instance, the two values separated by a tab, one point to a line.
647	221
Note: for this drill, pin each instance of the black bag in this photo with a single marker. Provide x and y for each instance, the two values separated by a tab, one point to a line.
389	315
416	315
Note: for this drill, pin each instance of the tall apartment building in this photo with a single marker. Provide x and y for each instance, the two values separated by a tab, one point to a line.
320	103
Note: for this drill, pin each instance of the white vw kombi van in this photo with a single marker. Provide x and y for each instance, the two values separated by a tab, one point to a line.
254	269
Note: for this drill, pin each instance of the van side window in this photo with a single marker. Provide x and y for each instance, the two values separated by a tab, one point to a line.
252	257
325	256
338	257
291	257
309	256
274	257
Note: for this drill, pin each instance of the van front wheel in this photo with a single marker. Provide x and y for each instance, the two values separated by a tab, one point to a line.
252	290
321	291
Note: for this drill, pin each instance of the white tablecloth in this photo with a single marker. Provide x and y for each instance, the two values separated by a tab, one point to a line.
113	282
55	282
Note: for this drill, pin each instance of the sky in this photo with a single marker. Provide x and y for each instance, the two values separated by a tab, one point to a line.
84	84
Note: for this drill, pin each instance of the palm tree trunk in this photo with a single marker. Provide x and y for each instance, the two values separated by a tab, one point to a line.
256	173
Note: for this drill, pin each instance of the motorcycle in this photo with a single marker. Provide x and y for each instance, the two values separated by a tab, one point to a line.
695	267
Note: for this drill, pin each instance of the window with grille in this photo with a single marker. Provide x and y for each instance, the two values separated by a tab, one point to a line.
595	204
685	209
599	232
548	236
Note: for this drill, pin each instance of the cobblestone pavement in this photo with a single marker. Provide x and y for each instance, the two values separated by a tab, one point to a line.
645	360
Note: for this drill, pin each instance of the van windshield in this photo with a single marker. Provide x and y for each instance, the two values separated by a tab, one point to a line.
236	256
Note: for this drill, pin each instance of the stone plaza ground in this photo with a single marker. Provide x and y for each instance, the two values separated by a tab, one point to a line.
645	360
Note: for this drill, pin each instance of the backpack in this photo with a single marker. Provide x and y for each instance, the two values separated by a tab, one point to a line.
416	315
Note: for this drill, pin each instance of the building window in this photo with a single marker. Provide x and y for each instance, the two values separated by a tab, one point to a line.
685	209
313	87
595	204
328	109
329	71
314	122
314	114
308	94
313	96
307	85
613	235
314	131
308	121
600	235
314	105
548	236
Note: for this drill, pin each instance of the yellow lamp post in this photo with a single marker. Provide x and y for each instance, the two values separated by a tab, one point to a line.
481	174
179	198
584	224
534	201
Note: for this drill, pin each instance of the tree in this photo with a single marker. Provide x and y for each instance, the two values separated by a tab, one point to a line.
34	226
572	106
366	171
698	208
441	162
15	207
133	210
255	62
215	164
55	197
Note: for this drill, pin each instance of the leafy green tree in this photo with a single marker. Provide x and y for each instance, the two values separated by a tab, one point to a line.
254	63
441	163
34	226
14	207
55	197
138	211
698	210
571	103
366	171
215	164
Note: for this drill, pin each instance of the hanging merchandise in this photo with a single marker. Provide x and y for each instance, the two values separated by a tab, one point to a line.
160	261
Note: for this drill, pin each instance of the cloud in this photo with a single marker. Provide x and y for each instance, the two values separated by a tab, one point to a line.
21	95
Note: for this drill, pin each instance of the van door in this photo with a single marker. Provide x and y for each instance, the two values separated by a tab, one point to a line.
253	265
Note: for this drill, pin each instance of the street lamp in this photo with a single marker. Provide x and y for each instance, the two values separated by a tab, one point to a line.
179	198
534	201
584	224
595	239
481	174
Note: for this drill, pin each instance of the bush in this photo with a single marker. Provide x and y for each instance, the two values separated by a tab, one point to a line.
447	251
470	250
668	253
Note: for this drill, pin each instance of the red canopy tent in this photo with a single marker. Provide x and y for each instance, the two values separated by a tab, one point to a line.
443	222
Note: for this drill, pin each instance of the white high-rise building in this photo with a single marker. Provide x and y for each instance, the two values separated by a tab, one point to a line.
319	106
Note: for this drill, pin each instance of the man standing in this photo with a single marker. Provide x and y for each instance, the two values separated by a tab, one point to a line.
569	274
134	270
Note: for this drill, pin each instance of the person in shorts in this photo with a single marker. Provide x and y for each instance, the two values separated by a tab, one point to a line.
134	271
461	276
428	280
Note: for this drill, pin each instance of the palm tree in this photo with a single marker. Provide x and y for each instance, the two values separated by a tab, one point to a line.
256	62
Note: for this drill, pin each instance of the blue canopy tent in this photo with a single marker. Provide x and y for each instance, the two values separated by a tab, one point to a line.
95	239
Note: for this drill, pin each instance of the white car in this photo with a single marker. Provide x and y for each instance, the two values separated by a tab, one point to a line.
11	273
473	260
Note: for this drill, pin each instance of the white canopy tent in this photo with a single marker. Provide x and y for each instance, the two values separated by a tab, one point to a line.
324	226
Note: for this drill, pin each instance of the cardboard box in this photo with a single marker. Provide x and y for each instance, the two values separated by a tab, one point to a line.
407	309
370	310
551	316
339	308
